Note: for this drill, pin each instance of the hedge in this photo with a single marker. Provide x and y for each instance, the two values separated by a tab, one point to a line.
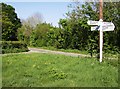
13	47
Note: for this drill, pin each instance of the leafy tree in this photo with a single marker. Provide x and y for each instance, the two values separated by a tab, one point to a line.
10	22
75	28
111	12
24	33
38	37
78	32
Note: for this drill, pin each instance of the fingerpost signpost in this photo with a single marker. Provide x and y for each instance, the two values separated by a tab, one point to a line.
101	27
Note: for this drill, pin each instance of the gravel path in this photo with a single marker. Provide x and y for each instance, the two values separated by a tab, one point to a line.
38	50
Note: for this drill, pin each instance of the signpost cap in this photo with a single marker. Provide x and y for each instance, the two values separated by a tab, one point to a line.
101	20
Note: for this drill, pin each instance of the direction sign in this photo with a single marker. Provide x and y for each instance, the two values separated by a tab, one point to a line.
108	28
104	27
94	28
101	26
107	23
90	22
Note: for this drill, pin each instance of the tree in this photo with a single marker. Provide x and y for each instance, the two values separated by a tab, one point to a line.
111	12
10	23
24	33
75	29
39	35
78	32
28	25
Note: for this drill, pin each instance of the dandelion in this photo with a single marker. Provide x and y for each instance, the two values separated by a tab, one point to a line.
47	63
92	64
33	65
38	67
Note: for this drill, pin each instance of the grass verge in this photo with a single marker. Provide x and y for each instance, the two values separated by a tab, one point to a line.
49	70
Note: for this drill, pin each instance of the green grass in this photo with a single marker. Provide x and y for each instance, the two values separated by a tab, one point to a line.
115	56
49	70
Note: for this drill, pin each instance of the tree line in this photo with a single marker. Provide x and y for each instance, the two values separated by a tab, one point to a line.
73	31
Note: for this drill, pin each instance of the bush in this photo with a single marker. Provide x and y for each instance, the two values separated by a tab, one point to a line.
13	47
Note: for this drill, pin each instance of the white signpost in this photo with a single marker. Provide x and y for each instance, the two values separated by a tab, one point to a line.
101	26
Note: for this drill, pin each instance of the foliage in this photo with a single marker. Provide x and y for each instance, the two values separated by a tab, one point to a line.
38	37
49	70
24	33
10	23
13	47
75	25
55	38
78	32
112	13
74	32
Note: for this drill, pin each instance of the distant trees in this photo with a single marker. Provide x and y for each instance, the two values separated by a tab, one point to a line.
33	20
10	23
28	25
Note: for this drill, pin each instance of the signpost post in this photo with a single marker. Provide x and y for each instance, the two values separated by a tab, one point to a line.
100	32
101	26
101	40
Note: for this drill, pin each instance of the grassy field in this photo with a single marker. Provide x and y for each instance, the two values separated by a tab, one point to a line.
49	70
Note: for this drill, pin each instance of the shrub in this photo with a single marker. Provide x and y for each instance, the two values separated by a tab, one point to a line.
13	47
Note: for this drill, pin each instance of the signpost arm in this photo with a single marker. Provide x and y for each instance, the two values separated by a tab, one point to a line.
101	32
